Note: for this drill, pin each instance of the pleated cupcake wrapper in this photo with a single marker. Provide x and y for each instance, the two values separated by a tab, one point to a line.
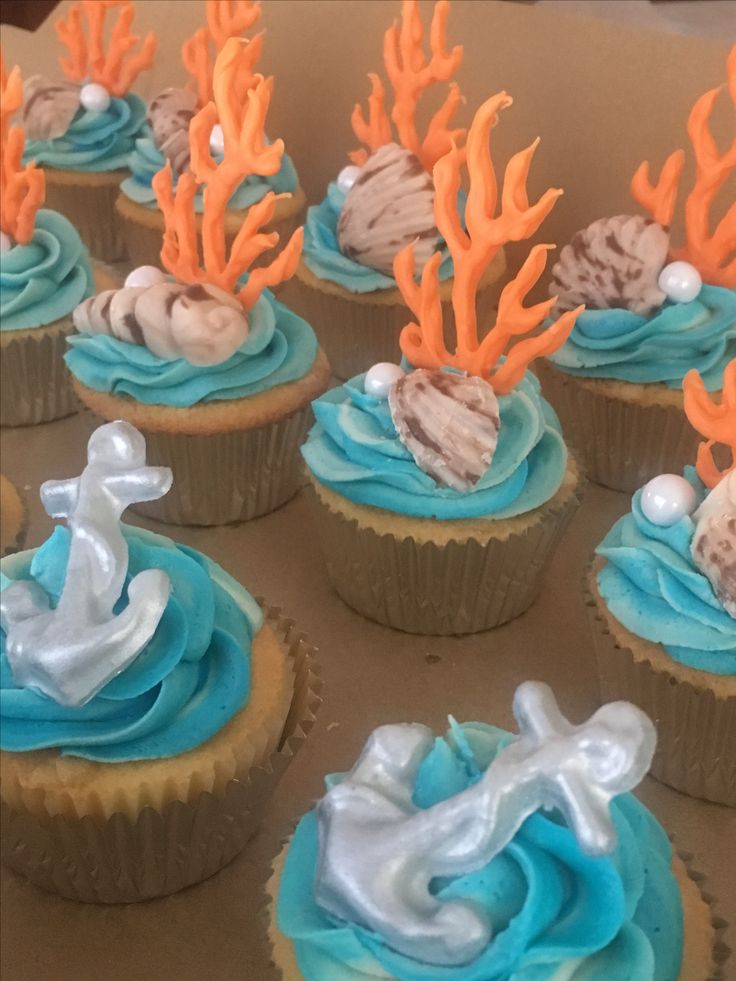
696	731
457	588
34	382
162	852
623	444
91	209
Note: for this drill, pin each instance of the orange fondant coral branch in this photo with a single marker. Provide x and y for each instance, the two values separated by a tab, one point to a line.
716	423
472	251
377	130
711	252
225	19
21	188
229	18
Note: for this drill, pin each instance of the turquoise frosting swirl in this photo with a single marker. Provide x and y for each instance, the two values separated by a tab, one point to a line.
146	160
280	348
95	141
355	450
44	280
625	346
188	682
323	256
556	913
652	586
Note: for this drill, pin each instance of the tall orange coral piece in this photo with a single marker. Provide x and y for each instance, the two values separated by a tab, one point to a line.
119	66
410	73
245	152
21	188
472	252
716	423
712	253
225	19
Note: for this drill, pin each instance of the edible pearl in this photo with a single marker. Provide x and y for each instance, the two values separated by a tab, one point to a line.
5	243
217	139
666	499
94	97
346	177
380	378
680	281
145	276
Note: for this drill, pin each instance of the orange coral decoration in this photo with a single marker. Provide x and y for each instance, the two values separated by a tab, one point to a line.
225	19
87	57
21	188
245	152
472	252
712	254
716	423
410	73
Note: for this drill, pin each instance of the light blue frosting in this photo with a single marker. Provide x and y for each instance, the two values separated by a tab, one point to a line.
662	348
617	918
323	256
354	448
189	681
95	141
44	280
652	586
146	160
280	348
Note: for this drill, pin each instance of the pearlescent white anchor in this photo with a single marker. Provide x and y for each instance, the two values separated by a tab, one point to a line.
379	853
69	653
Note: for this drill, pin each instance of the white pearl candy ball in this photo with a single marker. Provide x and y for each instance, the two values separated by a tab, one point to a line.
680	281
217	139
381	377
94	97
5	243
666	499
145	276
346	177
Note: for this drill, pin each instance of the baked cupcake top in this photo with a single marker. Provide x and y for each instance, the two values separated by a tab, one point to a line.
670	571
166	137
482	855
118	644
461	434
44	267
654	311
210	330
90	121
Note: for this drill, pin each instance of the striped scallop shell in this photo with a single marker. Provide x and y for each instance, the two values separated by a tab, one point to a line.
48	107
714	541
615	262
390	204
448	422
169	116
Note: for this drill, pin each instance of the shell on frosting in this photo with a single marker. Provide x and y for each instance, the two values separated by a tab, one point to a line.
714	542
390	204
613	263
169	115
448	422
48	107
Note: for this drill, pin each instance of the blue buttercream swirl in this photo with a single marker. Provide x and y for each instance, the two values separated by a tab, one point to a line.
280	348
354	449
146	160
652	586
187	683
95	141
625	346
43	280
551	906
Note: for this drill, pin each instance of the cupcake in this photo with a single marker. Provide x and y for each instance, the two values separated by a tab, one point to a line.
147	704
345	284
662	602
485	855
13	517
442	491
83	129
166	138
653	311
217	373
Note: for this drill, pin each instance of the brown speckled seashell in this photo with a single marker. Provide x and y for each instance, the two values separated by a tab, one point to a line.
448	422
169	115
48	107
714	541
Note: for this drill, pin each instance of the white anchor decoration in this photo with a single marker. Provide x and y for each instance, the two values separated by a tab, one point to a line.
69	653
379	852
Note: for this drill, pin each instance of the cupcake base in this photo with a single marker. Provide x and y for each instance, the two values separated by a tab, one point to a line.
87	199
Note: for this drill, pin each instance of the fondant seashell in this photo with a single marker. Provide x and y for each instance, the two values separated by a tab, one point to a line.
200	323
48	107
714	542
390	204
169	115
448	422
615	262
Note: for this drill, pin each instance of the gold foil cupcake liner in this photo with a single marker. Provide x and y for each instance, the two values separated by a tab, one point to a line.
90	207
122	861
34	382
